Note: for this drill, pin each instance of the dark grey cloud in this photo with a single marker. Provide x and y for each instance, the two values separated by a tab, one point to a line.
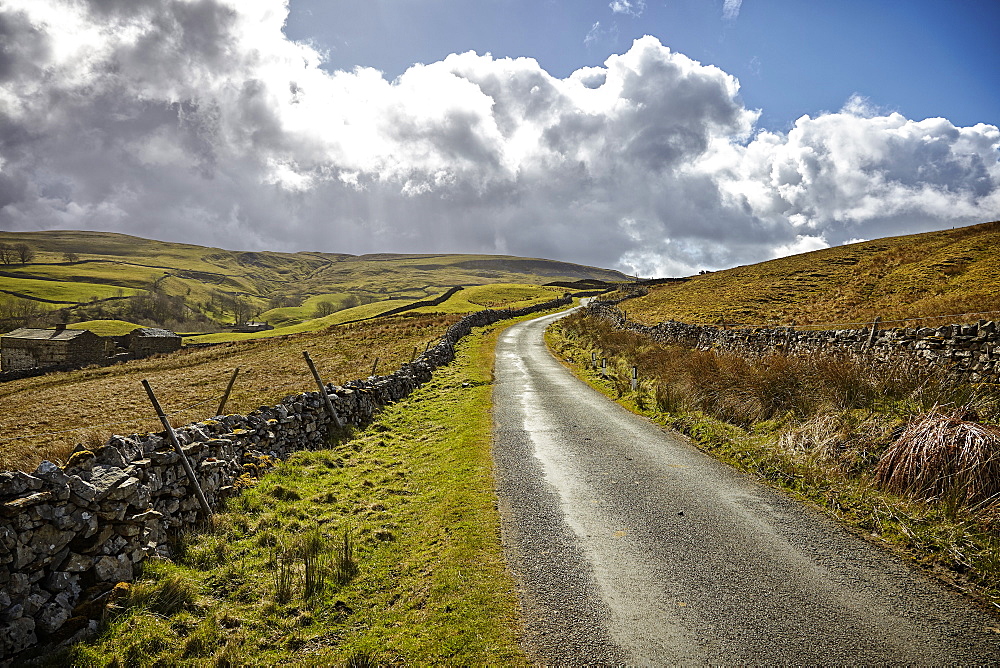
196	120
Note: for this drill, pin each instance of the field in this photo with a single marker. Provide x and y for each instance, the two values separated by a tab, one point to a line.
44	417
468	300
193	288
897	279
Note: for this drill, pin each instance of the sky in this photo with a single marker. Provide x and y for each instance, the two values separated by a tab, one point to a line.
655	137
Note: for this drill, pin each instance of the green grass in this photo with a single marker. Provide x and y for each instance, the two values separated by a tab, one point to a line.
362	312
293	315
501	295
69	292
106	327
110	261
414	495
931	274
469	300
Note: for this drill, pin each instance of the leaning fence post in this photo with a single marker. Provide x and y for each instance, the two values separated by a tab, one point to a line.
225	397
374	366
414	355
871	337
322	390
177	447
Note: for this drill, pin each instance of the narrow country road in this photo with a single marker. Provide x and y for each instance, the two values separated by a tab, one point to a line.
631	546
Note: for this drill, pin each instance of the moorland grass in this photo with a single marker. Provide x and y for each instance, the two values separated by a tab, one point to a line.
897	278
412	498
815	427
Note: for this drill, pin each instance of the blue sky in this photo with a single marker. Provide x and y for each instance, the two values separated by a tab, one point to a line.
620	138
923	58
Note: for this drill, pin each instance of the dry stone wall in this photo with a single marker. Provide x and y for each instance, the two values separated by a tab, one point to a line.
69	534
968	352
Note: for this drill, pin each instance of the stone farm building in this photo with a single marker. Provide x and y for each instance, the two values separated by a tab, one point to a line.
26	348
146	341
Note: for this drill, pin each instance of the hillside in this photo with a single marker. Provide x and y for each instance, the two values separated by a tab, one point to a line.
897	278
75	276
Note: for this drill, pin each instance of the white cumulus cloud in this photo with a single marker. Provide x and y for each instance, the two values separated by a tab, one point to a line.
197	120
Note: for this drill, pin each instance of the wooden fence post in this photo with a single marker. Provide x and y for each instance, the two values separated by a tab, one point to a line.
202	501
322	390
871	337
229	388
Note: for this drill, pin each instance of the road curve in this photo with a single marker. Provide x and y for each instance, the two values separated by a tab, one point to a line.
631	546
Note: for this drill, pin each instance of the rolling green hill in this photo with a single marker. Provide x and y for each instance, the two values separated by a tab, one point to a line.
897	278
81	276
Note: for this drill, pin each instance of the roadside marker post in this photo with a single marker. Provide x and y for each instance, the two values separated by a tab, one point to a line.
322	390
202	501
604	366
593	359
229	389
635	378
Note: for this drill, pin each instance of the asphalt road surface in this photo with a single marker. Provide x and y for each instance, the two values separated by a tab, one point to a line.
631	546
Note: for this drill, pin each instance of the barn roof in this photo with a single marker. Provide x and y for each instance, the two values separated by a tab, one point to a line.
45	334
153	332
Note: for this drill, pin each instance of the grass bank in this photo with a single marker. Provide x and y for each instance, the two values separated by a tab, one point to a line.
422	579
814	427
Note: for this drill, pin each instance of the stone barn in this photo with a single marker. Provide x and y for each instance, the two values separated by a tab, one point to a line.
146	341
26	348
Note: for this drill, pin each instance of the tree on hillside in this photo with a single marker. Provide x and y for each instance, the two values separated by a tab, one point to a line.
325	308
15	312
7	254
24	253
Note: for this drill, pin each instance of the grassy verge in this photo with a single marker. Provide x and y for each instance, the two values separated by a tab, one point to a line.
426	583
821	446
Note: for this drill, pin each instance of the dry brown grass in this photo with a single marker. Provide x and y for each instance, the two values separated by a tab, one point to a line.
45	417
944	456
746	390
904	279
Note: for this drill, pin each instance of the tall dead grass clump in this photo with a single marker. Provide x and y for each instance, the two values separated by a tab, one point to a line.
944	456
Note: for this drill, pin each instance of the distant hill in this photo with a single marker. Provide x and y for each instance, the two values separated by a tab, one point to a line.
108	276
936	273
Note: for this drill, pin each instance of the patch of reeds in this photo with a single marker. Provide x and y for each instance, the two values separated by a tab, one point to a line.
283	559
345	566
944	456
